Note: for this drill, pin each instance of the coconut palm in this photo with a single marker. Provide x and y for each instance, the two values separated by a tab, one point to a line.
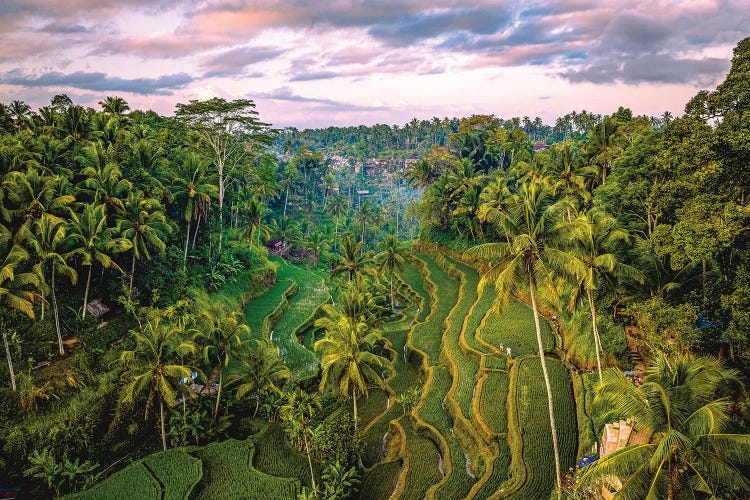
47	240
290	178
154	368
348	363
593	235
297	412
144	225
222	337
525	261
260	370
15	288
389	260
253	211
353	263
32	193
337	207
103	181
114	105
691	453
191	185
562	167
94	242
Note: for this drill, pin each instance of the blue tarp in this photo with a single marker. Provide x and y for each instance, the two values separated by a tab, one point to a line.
586	460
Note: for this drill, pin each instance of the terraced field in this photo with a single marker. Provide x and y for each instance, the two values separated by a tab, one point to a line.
478	431
283	316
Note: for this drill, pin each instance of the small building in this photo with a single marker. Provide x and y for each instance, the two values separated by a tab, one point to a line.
97	309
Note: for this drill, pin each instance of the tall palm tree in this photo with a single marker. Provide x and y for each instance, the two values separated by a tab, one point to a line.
603	147
47	240
260	370
593	236
299	409
290	178
222	337
193	188
32	193
337	207
144	225
15	288
353	263
253	211
364	215
94	242
681	404
524	260
154	367
114	105
389	260
562	166
103	181
348	363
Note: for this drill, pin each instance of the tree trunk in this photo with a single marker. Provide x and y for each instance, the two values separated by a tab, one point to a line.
309	460
393	307
187	241
703	278
257	404
43	301
286	199
195	233
10	361
132	274
163	434
336	234
220	166
553	426
86	293
218	394
597	341
354	395
57	315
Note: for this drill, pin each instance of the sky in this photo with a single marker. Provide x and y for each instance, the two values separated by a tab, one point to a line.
334	63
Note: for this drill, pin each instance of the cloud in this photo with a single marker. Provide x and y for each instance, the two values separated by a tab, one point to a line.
651	68
163	85
233	62
420	26
286	94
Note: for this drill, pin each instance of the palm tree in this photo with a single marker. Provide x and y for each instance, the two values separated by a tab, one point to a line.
562	168
681	405
390	259
353	263
13	288
299	409
525	259
191	185
253	213
348	364
290	178
32	194
594	235
260	370
94	242
602	146
154	368
222	336
114	105
365	213
47	239
144	225
337	207
103	178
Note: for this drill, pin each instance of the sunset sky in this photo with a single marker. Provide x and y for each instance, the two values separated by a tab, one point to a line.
313	64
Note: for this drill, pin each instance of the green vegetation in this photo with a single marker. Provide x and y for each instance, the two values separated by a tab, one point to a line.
153	346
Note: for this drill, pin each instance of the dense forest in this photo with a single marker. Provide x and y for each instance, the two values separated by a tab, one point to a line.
202	305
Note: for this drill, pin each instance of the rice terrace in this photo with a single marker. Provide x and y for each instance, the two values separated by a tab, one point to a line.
223	276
